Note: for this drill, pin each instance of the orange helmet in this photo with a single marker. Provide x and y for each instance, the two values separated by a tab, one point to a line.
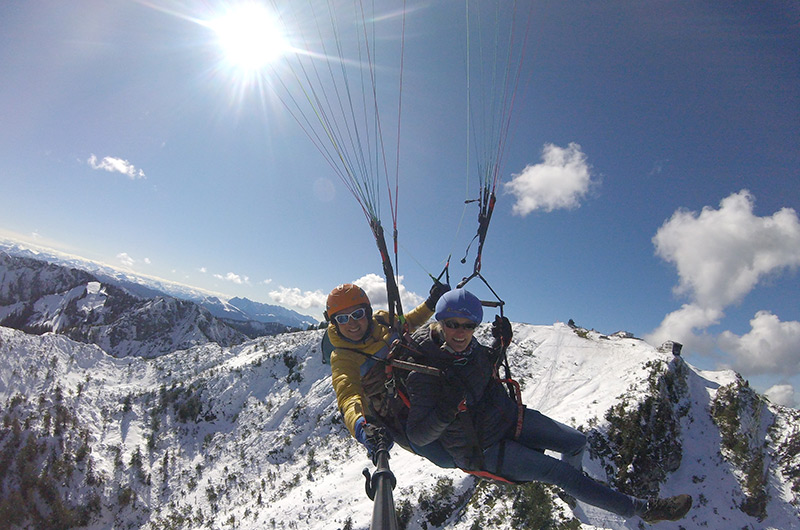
344	296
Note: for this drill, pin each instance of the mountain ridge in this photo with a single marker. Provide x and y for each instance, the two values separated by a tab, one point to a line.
250	436
149	287
39	297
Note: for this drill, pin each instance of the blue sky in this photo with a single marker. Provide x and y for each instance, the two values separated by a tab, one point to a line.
650	182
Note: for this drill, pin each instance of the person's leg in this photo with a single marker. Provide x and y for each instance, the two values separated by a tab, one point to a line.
541	432
435	453
520	463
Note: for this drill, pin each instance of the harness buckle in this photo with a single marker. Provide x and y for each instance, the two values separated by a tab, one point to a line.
391	387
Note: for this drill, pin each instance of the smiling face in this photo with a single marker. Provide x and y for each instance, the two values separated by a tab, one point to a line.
354	329
458	333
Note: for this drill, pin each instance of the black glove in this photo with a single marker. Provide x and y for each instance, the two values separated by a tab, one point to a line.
372	437
437	290
501	331
451	394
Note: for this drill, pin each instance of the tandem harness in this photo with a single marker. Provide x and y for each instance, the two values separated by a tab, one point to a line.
404	355
397	389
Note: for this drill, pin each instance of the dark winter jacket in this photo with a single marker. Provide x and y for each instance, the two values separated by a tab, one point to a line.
490	415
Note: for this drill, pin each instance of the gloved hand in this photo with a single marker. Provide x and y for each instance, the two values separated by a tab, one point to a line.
451	394
370	436
501	331
437	290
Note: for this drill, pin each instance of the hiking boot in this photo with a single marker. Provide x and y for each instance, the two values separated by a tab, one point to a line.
669	509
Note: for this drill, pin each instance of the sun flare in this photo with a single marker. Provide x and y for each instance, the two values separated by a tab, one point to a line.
250	37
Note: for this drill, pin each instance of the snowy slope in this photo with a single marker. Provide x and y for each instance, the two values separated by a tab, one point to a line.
249	436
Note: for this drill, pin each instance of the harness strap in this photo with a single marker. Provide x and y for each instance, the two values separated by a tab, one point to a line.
472	434
495	476
392	363
490	476
404	365
501	456
404	398
414	367
520	406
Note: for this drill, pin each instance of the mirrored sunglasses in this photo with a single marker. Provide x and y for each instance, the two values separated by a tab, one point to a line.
358	314
452	324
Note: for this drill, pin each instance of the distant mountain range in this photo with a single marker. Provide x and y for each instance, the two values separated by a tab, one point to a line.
122	317
242	310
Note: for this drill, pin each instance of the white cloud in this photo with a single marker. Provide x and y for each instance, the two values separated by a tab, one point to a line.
782	395
375	287
560	181
373	284
721	255
267	281
232	277
294	297
147	261
116	165
125	259
314	301
771	346
680	325
203	270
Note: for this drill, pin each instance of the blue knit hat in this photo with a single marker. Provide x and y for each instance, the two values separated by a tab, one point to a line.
459	303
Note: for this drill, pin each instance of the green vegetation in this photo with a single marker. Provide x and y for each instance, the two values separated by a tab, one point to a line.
44	459
738	412
787	452
439	503
533	507
529	505
643	440
294	367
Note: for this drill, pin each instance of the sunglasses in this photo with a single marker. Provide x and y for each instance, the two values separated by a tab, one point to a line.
452	324
358	314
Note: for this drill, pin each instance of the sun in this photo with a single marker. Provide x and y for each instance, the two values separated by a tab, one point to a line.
250	37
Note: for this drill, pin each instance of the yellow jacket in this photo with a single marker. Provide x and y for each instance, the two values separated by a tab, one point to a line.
348	366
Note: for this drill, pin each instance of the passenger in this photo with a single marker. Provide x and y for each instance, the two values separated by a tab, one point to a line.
468	412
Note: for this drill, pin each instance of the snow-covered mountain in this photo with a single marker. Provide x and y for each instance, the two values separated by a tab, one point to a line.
244	313
39	297
249	436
